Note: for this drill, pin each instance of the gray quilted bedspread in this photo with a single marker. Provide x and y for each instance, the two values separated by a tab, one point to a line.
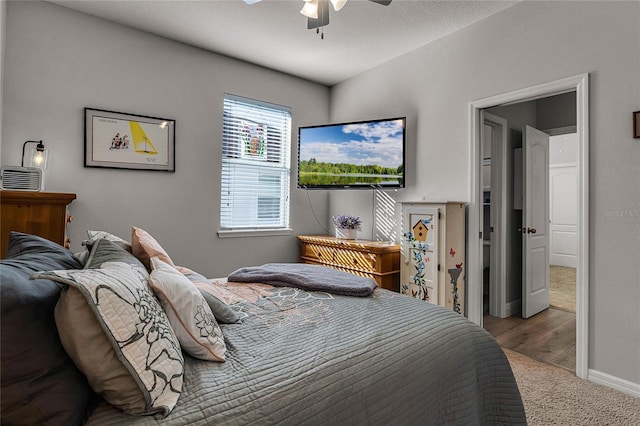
311	358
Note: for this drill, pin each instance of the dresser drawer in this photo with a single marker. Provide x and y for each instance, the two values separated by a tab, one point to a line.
340	257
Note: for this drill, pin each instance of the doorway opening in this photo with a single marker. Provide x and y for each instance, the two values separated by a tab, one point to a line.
563	218
508	226
542	328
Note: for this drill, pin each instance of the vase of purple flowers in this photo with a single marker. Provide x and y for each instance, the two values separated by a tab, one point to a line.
347	227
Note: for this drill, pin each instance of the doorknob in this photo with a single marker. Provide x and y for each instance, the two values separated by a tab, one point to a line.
531	230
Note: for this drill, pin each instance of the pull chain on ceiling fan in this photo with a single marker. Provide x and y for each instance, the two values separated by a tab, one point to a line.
317	11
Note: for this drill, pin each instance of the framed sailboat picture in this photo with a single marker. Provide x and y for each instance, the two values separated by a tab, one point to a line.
128	141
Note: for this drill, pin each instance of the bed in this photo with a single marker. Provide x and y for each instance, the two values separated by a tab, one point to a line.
295	356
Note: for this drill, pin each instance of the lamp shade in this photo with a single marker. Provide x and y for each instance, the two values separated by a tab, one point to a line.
36	156
338	4
310	9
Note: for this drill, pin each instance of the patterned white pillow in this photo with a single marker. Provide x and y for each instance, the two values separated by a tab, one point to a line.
96	235
136	325
188	312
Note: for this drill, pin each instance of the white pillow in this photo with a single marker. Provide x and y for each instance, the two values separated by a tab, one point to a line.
189	314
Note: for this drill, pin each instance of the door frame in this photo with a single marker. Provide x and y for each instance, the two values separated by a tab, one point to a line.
498	204
579	84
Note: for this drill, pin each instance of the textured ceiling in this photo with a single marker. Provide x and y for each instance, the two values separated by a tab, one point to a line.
273	33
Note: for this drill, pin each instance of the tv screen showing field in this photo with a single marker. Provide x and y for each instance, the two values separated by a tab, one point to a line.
356	154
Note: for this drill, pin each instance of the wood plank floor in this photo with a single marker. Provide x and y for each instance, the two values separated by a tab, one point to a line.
549	336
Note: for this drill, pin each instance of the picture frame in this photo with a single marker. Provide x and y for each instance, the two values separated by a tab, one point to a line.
119	140
636	125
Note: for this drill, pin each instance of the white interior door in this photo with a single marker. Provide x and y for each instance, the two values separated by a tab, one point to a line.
563	216
535	289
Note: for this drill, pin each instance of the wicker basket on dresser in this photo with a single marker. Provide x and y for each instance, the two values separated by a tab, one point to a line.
374	259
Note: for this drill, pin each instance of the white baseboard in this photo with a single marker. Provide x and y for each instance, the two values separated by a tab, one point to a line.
613	382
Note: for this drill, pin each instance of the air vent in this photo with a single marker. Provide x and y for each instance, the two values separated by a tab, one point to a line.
21	178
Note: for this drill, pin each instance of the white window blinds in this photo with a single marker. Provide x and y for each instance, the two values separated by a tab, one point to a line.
256	147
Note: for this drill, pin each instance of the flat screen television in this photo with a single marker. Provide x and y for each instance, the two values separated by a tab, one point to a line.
356	155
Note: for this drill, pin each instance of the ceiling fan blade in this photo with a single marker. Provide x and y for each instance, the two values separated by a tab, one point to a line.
382	2
323	16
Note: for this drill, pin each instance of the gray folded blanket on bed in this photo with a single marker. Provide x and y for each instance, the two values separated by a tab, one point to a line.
306	277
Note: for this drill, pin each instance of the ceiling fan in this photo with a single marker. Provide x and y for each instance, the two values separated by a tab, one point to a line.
317	11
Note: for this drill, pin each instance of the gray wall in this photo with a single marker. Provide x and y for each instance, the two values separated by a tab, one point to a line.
528	44
59	61
3	33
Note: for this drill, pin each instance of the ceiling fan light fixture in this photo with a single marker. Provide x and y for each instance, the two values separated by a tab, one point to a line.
317	11
338	4
310	9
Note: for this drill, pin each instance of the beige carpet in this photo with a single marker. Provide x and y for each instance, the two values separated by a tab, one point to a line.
562	288
554	396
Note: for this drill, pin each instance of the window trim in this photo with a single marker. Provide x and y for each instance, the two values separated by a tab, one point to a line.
257	232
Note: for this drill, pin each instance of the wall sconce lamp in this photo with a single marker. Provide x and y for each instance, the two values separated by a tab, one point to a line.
37	157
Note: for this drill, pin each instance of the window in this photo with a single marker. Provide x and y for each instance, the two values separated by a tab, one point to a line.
256	146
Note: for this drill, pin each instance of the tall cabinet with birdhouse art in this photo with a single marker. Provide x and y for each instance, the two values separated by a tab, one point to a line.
433	253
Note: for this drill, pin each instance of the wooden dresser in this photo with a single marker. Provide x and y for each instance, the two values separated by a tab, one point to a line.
39	213
373	259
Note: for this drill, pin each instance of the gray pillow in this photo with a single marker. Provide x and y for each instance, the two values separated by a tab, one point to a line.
104	250
223	313
40	383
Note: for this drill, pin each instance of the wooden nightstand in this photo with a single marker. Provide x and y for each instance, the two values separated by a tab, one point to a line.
374	259
39	213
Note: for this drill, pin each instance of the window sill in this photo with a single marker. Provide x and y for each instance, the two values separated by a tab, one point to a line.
254	233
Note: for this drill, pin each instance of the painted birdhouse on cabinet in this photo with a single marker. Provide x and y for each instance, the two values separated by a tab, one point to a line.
420	230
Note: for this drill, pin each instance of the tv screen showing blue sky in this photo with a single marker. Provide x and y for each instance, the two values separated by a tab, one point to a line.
371	143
